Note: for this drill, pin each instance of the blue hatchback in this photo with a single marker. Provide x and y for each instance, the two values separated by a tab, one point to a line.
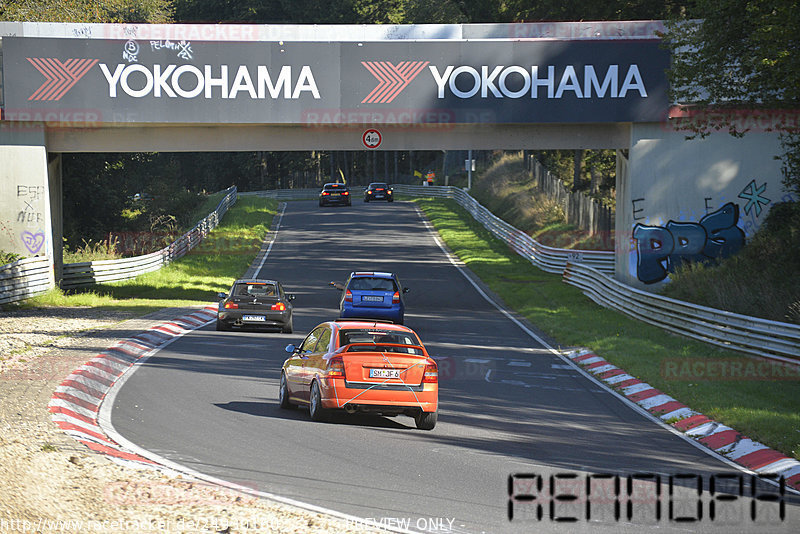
372	295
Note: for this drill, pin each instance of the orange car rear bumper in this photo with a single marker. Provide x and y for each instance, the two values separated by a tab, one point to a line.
338	394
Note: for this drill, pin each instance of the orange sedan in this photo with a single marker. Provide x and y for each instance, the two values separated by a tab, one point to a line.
362	366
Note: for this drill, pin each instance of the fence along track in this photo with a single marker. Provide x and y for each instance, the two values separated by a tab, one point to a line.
752	335
586	269
25	278
550	259
29	277
590	270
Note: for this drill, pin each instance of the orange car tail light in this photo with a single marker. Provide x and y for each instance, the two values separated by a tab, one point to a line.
280	306
396	298
336	367
231	306
348	297
431	374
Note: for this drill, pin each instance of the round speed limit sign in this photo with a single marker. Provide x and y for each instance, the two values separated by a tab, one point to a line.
371	139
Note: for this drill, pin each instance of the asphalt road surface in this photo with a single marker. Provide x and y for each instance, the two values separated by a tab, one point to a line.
519	429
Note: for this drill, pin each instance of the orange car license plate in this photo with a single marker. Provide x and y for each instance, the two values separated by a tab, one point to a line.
384	373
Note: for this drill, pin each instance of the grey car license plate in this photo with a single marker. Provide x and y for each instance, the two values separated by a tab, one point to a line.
254	318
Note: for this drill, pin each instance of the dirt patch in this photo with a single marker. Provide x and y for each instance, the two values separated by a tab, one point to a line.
51	483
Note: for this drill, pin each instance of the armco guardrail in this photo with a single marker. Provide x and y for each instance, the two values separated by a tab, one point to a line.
552	260
25	278
761	337
96	272
284	194
297	194
29	277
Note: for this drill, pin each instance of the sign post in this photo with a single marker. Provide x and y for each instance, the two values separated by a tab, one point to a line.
371	138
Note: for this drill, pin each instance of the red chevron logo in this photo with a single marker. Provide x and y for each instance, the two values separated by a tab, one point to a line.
392	79
59	77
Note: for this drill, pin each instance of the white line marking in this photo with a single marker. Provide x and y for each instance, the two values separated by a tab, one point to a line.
566	359
272	241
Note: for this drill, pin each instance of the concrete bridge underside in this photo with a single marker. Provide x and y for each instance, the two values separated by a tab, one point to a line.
249	137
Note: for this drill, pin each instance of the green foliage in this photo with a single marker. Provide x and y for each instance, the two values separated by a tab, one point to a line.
764	411
194	279
150	11
92	251
739	56
558	10
763	280
506	190
8	257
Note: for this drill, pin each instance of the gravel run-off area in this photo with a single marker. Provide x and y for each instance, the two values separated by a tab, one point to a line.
51	483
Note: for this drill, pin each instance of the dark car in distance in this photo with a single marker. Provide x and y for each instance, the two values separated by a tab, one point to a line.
334	193
379	191
255	303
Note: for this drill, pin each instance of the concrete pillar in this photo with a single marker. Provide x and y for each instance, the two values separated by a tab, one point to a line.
54	172
691	199
25	201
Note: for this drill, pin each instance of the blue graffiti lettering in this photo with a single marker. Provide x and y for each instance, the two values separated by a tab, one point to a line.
752	195
662	250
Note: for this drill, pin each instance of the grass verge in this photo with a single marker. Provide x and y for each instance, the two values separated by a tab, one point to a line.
192	280
766	411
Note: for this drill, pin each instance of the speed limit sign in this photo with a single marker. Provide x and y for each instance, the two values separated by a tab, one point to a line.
371	139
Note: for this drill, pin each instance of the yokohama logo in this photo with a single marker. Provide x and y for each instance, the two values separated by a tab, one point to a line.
392	79
59	77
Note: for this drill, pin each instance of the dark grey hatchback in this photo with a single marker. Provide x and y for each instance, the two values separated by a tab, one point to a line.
255	303
334	193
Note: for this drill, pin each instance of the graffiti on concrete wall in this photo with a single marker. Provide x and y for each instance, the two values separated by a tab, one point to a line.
31	216
33	242
720	233
661	249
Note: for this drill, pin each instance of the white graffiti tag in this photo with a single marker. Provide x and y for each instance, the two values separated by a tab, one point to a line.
183	49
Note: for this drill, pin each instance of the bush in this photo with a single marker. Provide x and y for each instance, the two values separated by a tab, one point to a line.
763	280
8	257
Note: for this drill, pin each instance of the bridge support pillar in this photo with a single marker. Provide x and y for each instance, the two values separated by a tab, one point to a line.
680	199
25	196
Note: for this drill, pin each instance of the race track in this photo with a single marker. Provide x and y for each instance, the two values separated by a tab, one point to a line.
508	406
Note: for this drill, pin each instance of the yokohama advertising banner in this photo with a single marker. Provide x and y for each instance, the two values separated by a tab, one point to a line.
140	81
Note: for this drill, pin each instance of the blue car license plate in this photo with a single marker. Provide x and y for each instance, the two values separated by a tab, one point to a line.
369	298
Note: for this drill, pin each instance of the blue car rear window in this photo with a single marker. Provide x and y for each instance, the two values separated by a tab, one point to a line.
372	284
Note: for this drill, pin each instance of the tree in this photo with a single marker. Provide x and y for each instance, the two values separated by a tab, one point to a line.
580	10
738	59
152	11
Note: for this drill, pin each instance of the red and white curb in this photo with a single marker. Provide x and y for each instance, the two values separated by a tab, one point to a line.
75	404
723	440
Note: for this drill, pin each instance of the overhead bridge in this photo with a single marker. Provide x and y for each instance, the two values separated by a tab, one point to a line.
137	87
